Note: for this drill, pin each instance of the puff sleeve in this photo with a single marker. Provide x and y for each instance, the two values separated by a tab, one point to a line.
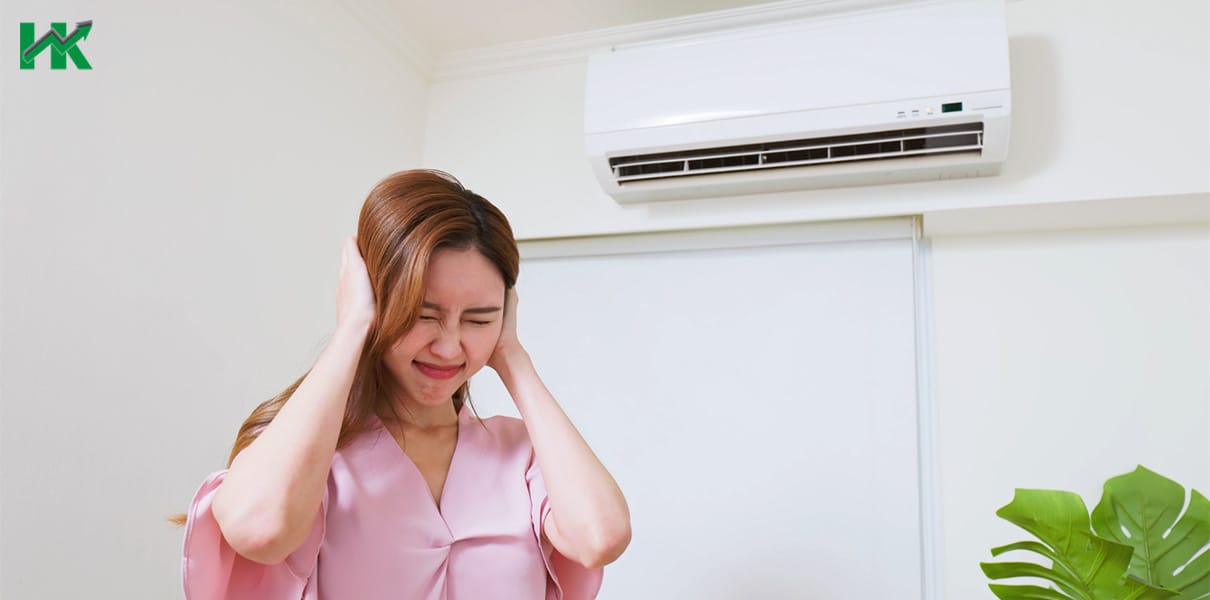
212	570
572	581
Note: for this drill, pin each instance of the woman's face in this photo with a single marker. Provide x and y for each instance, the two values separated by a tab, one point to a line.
457	331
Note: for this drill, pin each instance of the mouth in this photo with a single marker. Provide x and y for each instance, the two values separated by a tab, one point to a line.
437	371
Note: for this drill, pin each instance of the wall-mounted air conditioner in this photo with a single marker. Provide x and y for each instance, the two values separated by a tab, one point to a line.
891	92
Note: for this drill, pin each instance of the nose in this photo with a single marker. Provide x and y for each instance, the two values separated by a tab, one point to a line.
447	344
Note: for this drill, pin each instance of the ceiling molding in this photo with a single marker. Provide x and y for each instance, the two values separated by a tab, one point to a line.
576	47
387	26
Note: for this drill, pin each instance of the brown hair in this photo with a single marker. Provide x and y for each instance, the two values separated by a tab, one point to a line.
407	217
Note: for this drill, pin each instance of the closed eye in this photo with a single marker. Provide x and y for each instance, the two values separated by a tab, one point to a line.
480	322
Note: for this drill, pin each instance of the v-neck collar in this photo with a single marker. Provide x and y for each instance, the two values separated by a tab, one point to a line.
465	416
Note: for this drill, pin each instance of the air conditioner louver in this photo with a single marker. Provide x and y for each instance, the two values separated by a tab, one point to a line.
809	152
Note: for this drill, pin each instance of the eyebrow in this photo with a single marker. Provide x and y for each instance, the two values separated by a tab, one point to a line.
479	310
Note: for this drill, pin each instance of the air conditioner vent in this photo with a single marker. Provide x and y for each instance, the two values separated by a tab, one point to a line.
879	145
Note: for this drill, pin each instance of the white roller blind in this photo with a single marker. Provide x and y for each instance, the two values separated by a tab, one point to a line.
754	394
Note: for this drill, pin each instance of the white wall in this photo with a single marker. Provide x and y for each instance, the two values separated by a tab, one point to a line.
171	230
1107	103
1062	359
738	418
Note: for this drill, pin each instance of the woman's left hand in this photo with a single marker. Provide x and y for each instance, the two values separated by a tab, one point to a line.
508	345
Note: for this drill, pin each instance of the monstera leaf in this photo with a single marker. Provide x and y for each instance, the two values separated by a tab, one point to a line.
1083	566
1142	509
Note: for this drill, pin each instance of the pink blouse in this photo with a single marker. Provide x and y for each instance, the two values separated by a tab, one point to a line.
379	535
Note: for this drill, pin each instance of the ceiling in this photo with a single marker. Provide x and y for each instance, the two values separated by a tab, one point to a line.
452	25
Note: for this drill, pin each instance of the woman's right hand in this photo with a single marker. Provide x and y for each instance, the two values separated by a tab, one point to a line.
355	296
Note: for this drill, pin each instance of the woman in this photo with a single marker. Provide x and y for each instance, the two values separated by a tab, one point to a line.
371	477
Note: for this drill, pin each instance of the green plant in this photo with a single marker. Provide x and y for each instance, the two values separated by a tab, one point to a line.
1136	544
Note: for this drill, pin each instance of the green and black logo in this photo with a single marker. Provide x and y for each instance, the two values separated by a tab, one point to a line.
62	46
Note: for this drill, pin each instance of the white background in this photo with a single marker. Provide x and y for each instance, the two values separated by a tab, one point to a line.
170	226
757	406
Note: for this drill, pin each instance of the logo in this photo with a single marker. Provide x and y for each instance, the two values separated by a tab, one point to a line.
62	46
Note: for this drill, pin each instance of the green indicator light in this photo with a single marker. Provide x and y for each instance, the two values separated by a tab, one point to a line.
951	107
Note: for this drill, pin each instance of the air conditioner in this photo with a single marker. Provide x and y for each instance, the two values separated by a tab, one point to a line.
889	92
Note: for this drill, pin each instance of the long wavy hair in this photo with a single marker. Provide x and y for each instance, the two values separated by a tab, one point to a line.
406	218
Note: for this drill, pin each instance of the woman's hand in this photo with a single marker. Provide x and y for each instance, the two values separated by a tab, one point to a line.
508	345
355	296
